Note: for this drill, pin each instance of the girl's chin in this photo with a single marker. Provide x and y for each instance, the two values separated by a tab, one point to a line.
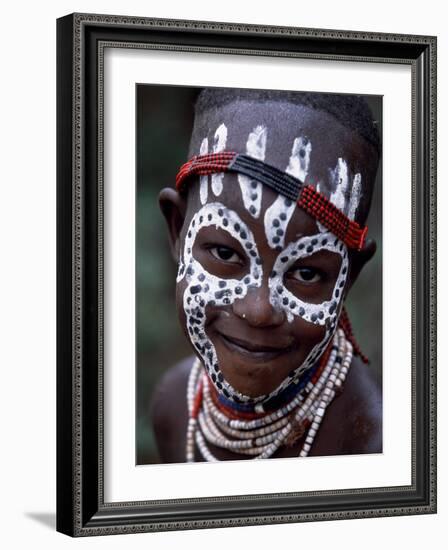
246	388
252	378
254	372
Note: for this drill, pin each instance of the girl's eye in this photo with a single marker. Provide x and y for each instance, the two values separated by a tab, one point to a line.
306	275
225	254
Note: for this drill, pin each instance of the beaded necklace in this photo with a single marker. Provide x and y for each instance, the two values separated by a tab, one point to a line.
261	435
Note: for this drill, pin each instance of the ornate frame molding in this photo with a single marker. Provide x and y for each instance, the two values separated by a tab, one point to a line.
82	38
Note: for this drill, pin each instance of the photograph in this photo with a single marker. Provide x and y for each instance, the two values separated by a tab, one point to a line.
258	274
222	271
246	272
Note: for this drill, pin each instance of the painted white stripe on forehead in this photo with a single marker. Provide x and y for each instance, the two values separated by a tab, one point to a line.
256	142
278	215
339	182
299	161
251	190
219	144
203	190
355	197
345	199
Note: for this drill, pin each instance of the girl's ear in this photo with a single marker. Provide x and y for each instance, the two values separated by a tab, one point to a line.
359	260
173	207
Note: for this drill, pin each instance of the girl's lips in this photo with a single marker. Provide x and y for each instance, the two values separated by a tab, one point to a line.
251	349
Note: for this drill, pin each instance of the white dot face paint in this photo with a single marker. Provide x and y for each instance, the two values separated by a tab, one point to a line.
219	144
323	314
204	289
319	314
251	190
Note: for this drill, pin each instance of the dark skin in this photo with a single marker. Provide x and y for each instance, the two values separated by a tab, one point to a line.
351	425
256	345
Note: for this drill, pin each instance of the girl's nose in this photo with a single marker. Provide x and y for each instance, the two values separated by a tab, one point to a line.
256	309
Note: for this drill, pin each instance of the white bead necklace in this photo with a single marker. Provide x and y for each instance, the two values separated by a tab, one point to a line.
262	437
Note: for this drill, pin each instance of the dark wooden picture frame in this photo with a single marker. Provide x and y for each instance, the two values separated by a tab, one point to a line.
81	508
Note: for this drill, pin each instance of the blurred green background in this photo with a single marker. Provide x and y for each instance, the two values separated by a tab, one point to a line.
164	121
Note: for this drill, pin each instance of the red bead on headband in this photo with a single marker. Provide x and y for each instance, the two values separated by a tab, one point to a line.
307	198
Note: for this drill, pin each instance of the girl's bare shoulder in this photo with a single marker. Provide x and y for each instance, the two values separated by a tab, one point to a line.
353	423
169	413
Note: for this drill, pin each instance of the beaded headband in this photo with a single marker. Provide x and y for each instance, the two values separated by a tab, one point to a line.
307	198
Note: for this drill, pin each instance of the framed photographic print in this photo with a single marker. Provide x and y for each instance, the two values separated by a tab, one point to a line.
246	274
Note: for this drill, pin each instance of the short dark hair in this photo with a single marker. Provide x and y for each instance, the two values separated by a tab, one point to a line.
352	111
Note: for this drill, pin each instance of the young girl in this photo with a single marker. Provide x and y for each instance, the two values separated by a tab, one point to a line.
267	224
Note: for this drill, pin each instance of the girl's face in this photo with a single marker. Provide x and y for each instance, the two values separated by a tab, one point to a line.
258	296
261	284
